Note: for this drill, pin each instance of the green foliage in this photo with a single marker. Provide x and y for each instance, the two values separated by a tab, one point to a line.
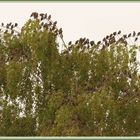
87	89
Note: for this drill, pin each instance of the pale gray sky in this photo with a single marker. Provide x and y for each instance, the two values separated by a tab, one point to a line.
89	19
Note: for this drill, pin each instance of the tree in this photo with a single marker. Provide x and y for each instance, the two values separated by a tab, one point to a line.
86	89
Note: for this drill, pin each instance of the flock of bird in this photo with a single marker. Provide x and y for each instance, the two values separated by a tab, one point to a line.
46	23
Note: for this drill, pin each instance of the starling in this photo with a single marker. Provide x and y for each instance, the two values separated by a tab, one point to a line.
12	27
111	35
136	39
104	39
60	31
16	24
114	33
70	43
41	14
35	15
49	17
106	43
112	40
55	23
12	32
124	36
119	32
129	35
7	26
76	42
134	33
92	43
50	23
138	33
45	16
99	42
107	37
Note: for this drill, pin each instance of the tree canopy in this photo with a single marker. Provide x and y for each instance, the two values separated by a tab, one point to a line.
87	88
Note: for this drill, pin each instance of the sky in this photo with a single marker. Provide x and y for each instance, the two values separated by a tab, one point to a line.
78	19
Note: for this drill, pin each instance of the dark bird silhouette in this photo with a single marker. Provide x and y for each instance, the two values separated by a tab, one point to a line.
45	16
136	39
111	35
55	23
129	35
70	43
12	32
138	33
119	32
124	36
12	27
99	42
114	33
107	37
16	24
60	31
35	15
134	33
2	24
49	17
92	43
104	39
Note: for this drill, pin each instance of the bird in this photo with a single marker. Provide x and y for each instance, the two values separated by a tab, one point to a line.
129	35
92	43
70	43
35	15
49	17
134	33
138	33
55	23
107	37
12	32
136	39
114	33
104	39
119	32
60	31
124	36
99	42
16	24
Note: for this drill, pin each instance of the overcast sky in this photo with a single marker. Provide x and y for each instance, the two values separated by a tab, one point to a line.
89	19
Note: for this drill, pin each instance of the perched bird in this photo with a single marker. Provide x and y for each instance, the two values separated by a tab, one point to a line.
134	33
136	39
111	35
2	24
49	17
124	36
99	42
138	33
129	35
12	32
76	42
104	39
55	23
16	24
114	33
12	27
92	43
119	32
107	37
70	43
60	31
35	15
